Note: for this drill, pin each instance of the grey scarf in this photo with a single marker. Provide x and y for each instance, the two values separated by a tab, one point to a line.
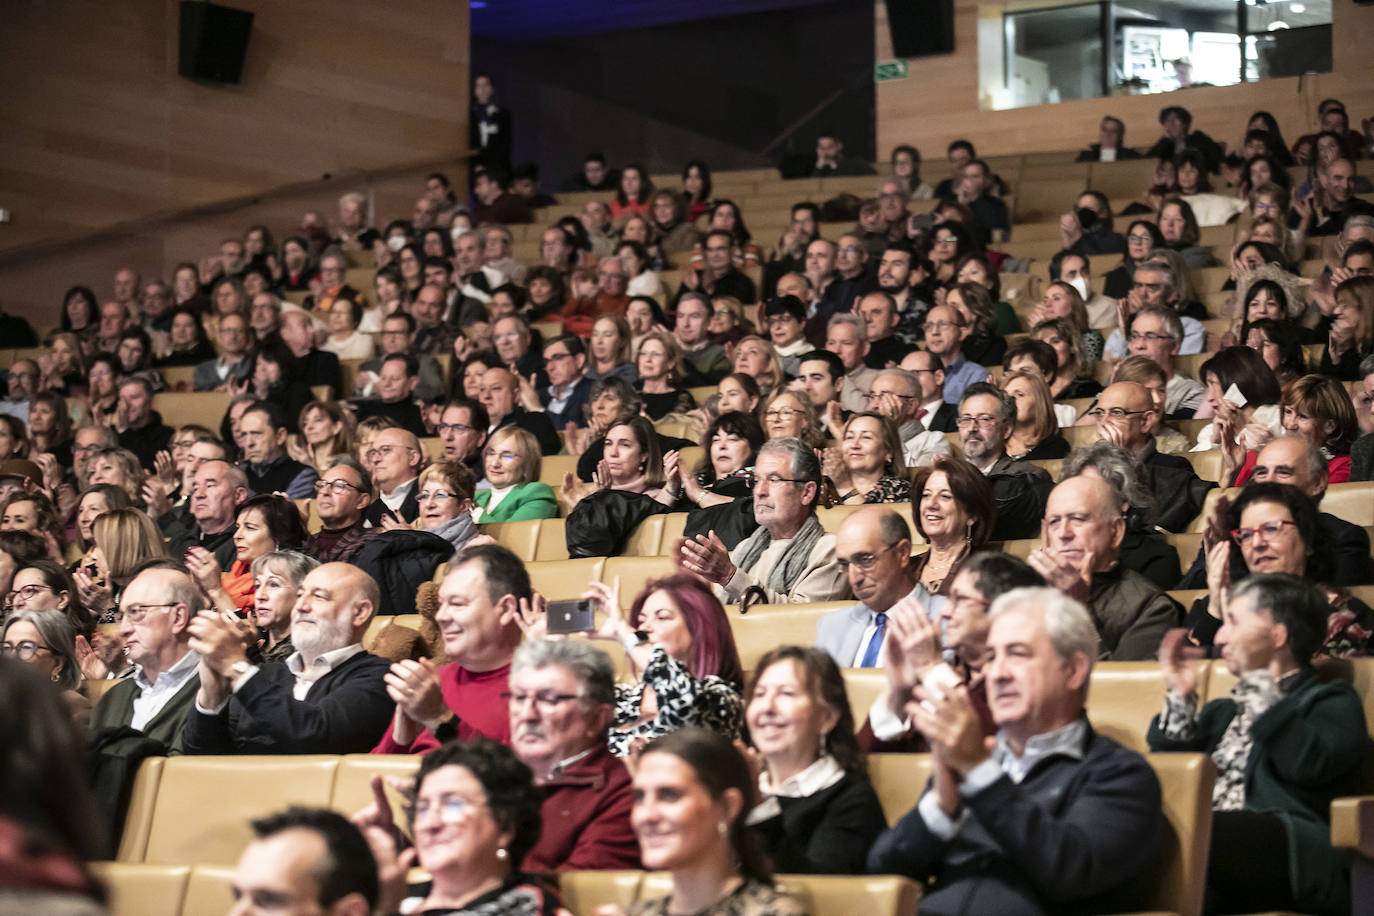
789	567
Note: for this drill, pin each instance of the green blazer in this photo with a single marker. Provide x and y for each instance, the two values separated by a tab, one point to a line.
526	501
116	708
1308	749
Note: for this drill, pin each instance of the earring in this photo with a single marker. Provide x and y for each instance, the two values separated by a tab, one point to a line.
55	677
502	854
968	532
723	828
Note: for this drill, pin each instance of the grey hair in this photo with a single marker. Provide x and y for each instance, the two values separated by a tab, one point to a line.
471	233
805	465
237	478
850	318
353	197
908	378
1182	273
1118	467
108	433
184	590
1172	322
348	461
1162	266
1367	364
58	634
295	564
893	528
1004	400
1361	221
1067	622
593	669
1317	467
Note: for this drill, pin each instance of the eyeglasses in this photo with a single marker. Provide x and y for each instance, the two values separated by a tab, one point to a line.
874	395
87	449
1148	336
382	451
1141	238
984	421
780	413
938	326
863	561
549	360
506	457
27	593
450	809
1270	530
24	650
137	613
947	240
544	701
337	485
1152	287
1116	413
753	480
435	494
453	428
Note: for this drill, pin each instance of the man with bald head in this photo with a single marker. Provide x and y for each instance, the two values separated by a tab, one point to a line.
1122	415
1080	541
328	697
873	546
896	394
394	461
218	488
1297	462
313	366
499	394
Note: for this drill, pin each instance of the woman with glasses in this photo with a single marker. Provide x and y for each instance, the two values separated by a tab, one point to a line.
326	430
949	242
787	414
46	641
262	524
475	815
1142	237
954	512
45	585
868	467
1274	528
512	462
659	362
816	812
680	646
722	499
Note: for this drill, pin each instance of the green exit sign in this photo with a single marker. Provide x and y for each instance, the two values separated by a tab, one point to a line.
889	70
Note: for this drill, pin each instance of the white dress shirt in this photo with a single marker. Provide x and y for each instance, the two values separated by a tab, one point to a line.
153	696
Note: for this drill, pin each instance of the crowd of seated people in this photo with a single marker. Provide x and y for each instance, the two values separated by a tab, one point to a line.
880	414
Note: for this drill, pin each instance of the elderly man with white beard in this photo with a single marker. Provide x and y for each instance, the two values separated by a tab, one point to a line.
329	697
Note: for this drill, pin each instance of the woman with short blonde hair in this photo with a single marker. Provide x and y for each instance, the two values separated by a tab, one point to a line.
512	462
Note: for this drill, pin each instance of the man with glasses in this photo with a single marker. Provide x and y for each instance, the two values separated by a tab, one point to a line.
23	379
264	315
342	496
561	701
718	275
235	340
851	261
482	600
564	399
397	379
1122	416
789	558
610	298
333	271
262	436
463	431
398	336
873	549
395	461
956	641
935	412
897	395
987	416
1155	285
785	318
155	612
327	697
1155	333
945	331
1079	552
704	362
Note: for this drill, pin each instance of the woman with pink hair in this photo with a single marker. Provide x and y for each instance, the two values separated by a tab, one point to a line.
678	637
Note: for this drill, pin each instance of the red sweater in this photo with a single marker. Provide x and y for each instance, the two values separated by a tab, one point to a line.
475	698
586	815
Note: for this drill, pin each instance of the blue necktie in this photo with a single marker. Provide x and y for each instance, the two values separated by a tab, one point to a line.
876	643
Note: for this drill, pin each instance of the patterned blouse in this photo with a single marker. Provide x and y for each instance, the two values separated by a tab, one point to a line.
751	898
683	700
889	489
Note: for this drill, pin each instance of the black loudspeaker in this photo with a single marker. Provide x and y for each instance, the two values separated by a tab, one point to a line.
921	27
214	40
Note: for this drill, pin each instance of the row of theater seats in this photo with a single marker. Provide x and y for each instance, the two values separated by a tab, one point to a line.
174	863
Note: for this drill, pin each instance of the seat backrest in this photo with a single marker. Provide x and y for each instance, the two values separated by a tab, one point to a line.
563	579
520	538
353	781
836	895
863	686
645	539
180	408
204	804
553	540
584	891
553	467
209	891
1185	782
674	526
769	626
1353	502
899	780
138	819
137	889
634	573
1124	696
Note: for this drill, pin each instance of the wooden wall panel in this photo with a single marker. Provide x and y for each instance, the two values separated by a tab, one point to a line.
99	127
938	102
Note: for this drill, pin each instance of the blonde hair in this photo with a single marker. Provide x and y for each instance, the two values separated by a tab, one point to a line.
671	351
1042	402
530	462
127	538
778	375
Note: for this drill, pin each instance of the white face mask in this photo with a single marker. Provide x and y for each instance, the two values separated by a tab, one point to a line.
457	230
1081	285
396	242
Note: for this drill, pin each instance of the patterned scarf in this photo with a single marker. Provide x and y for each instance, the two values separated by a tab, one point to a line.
789	567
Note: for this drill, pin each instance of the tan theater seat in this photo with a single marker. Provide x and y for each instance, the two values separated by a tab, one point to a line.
1185	782
1124	696
553	540
645	539
635	572
210	891
136	889
863	686
138	821
553	467
674	526
839	895
768	626
353	781
204	804
558	580
180	408
521	538
584	891
899	780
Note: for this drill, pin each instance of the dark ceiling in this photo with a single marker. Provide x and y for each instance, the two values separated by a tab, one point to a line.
513	20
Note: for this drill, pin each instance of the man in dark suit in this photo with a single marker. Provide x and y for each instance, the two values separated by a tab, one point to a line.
499	395
313	366
1108	148
564	400
1052	818
396	381
987	415
394	461
329	697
